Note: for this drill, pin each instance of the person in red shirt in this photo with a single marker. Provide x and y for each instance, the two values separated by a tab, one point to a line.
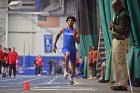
90	62
39	64
11	59
76	67
78	61
95	53
1	58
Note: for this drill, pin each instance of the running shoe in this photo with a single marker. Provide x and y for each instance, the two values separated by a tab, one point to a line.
72	81
65	74
90	77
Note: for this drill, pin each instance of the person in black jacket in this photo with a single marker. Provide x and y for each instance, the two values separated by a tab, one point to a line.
120	28
5	63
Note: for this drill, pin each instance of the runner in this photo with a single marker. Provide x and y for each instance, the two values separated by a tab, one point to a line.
70	36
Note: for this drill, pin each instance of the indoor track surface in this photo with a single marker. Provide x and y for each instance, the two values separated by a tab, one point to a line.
53	84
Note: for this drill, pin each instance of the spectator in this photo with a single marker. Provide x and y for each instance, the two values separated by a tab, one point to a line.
120	28
1	58
78	61
11	58
51	64
35	65
90	62
94	52
103	71
5	63
39	64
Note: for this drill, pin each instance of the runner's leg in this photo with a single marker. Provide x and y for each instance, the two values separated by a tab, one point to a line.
67	57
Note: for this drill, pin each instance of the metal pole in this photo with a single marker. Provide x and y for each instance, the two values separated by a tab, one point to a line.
24	55
6	33
130	83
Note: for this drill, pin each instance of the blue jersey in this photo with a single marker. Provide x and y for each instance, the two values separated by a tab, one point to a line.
68	39
69	44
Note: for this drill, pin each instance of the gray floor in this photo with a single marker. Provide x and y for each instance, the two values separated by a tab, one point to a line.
53	84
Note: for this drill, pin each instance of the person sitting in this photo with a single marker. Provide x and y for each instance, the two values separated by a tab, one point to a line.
103	71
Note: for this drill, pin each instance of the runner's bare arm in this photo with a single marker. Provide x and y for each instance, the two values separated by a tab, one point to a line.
56	39
77	36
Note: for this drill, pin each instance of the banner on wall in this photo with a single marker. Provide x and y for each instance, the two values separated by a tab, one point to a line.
48	43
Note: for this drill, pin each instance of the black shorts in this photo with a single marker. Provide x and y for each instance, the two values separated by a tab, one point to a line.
5	64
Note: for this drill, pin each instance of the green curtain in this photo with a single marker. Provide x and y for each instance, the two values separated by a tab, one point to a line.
106	16
134	50
87	22
134	62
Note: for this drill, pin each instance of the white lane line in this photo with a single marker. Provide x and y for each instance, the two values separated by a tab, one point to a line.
78	89
52	80
44	82
14	89
58	77
33	85
16	85
25	91
40	84
59	87
8	86
53	89
18	77
10	79
30	80
26	80
74	81
4	86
